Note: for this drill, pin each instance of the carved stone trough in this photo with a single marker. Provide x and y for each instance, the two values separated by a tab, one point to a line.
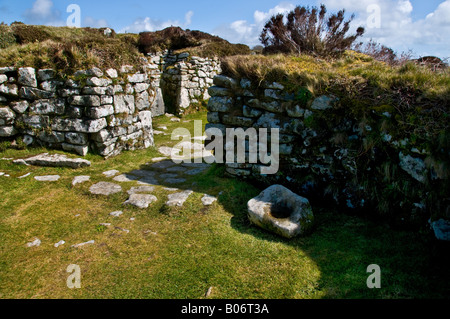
279	210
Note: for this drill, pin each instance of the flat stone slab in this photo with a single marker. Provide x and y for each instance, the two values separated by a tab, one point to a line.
163	164
111	173
141	189
158	159
48	178
55	160
166	151
178	199
208	200
177	169
148	181
142	173
106	189
116	214
195	171
91	242
124	178
141	200
80	180
279	210
175	181
167	176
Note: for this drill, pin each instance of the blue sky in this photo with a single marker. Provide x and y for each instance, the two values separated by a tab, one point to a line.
420	25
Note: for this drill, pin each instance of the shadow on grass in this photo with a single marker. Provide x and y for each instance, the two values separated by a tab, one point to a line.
413	265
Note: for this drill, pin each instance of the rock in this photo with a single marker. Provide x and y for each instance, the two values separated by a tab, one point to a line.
94	72
323	103
174	180
208	200
60	243
81	150
91	242
176	169
46	74
111	173
9	89
19	107
85	100
141	200
47	178
56	160
441	229
195	171
3	78
226	82
220	104
281	211
112	73
141	189
35	243
101	111
124	178
124	104
166	151
77	138
27	77
95	81
6	131
106	189
415	167
30	93
116	214
28	140
80	180
178	199
6	113
126	69
137	78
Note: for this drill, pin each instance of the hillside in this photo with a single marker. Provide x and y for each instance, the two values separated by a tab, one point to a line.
71	49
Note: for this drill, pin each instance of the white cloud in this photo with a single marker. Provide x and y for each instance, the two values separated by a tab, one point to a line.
149	24
243	31
42	12
188	18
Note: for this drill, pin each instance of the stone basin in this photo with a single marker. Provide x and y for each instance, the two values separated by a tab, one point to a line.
280	211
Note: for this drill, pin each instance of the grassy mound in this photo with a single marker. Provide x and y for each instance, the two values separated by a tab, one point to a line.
195	42
65	49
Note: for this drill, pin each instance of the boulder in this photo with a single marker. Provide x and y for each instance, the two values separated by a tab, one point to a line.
279	210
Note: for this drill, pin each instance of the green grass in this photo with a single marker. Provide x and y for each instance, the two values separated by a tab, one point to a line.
66	49
182	252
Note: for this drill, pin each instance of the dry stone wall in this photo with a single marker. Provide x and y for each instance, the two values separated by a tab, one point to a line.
186	80
105	112
328	153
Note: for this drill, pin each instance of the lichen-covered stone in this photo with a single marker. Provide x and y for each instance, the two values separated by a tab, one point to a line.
279	210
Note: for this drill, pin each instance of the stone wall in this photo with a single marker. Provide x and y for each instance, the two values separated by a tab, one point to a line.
186	79
105	112
328	153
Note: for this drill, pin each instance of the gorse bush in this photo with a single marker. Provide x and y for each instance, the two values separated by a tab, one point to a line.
309	31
